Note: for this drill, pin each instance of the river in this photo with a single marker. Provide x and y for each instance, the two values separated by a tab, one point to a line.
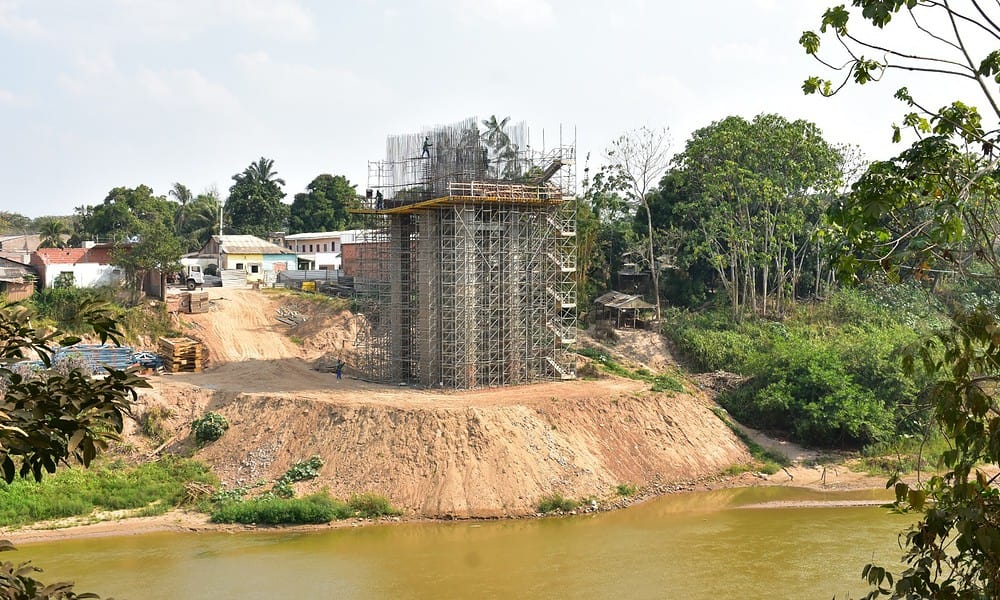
708	545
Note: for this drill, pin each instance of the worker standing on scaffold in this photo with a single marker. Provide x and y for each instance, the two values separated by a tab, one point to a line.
427	148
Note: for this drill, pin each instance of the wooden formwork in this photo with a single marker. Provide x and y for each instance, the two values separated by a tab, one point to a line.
181	354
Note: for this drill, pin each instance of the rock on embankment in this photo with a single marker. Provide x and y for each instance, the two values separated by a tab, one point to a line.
475	461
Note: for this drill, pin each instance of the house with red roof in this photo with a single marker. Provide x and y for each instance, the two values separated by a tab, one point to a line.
90	266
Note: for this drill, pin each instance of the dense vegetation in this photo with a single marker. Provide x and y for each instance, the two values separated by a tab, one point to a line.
61	308
829	375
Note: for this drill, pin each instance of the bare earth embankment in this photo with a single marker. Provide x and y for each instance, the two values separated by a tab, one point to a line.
483	453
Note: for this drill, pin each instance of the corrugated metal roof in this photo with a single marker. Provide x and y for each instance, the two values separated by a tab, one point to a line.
248	244
623	301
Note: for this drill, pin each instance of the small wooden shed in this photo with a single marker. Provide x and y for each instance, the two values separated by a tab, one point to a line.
624	310
17	280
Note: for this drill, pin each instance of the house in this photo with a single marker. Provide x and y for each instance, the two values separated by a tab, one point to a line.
249	254
89	266
17	280
319	250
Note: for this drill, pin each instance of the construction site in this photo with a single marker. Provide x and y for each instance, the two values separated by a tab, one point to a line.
467	277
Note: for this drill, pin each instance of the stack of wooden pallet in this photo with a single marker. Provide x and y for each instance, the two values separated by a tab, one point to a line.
181	354
198	302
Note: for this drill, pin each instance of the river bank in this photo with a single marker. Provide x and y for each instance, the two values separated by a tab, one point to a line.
820	478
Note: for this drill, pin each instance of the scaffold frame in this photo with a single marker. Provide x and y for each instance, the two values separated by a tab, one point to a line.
471	282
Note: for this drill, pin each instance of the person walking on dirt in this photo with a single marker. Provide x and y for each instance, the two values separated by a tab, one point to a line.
339	368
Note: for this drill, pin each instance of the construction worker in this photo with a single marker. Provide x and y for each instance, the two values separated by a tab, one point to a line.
378	200
339	368
427	148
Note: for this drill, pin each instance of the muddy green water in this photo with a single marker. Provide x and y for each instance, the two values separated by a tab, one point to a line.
693	546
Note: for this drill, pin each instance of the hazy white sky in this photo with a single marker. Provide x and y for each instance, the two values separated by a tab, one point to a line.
107	93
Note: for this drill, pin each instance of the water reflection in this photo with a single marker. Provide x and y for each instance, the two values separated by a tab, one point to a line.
700	545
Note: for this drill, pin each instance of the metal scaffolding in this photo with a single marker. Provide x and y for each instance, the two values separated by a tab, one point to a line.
466	270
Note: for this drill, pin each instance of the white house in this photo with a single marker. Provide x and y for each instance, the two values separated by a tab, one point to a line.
320	250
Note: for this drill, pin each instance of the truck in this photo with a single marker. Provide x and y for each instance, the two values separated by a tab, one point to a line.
193	276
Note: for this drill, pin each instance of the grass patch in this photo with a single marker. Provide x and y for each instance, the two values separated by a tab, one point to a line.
768	462
315	508
555	502
371	505
903	455
73	492
625	490
153	422
662	382
269	510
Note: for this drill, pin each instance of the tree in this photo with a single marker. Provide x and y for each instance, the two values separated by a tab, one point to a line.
155	247
182	195
636	162
124	211
935	205
13	222
254	206
324	206
754	194
202	220
50	417
502	151
52	231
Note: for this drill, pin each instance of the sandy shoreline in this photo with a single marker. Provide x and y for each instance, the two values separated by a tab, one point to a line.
828	479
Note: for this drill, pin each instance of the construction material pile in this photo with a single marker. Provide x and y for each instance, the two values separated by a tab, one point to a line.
197	302
181	355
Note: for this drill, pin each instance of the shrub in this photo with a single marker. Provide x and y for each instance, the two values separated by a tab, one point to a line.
209	427
153	422
555	502
268	510
371	505
300	471
625	490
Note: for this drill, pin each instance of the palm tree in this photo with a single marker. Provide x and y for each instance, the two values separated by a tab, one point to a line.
183	195
202	220
52	231
261	172
495	136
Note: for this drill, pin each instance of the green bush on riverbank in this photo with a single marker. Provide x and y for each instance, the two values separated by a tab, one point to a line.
830	375
312	509
74	492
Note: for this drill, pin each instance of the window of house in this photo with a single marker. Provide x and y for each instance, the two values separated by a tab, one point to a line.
324	247
239	266
255	268
335	246
310	247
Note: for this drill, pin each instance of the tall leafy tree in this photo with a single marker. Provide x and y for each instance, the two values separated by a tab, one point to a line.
935	205
324	206
755	197
14	222
254	205
142	227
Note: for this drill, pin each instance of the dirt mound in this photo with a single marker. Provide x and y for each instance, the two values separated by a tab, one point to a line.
491	452
640	347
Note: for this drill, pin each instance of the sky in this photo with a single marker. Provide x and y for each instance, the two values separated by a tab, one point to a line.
107	93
